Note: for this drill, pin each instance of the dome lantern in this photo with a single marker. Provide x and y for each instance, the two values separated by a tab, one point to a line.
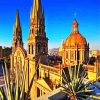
75	38
75	26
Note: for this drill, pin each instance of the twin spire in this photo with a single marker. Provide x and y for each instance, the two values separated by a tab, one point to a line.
36	12
36	9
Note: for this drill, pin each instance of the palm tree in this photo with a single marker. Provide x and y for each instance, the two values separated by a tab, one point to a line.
75	84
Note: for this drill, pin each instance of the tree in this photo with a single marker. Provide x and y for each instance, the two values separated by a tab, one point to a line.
76	85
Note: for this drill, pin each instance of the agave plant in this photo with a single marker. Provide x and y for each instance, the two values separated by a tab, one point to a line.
75	84
15	86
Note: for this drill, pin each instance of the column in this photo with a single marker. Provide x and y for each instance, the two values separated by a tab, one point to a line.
30	49
83	56
76	54
81	60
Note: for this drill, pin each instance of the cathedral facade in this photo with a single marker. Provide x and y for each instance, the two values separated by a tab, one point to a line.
37	43
74	51
18	52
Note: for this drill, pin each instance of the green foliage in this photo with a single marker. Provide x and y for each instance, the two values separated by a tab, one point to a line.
75	84
15	86
15	89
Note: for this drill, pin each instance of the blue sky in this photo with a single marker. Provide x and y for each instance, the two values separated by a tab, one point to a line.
59	15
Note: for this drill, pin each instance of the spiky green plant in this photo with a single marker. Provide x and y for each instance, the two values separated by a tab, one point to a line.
15	88
75	85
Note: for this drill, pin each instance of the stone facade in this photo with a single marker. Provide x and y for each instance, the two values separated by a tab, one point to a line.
18	52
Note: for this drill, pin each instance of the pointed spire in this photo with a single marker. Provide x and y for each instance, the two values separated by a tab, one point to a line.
17	21
36	9
17	36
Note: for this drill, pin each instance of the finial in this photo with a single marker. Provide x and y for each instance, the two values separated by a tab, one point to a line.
75	14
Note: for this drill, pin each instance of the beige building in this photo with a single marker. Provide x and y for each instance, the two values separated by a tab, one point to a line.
94	53
75	49
94	69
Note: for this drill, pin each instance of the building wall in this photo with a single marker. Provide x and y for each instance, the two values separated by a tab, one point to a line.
50	72
18	57
74	56
92	75
93	71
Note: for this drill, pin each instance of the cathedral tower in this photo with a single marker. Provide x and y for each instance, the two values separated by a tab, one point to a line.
18	52
37	45
17	36
37	40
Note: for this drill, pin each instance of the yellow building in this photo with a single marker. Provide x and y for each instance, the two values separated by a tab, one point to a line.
37	45
37	49
75	49
94	70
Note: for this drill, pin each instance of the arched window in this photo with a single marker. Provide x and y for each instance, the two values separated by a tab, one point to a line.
75	55
44	48
28	73
29	49
66	54
32	30
72	55
39	48
39	31
32	49
78	55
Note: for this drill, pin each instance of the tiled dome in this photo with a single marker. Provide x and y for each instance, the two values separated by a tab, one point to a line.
75	38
